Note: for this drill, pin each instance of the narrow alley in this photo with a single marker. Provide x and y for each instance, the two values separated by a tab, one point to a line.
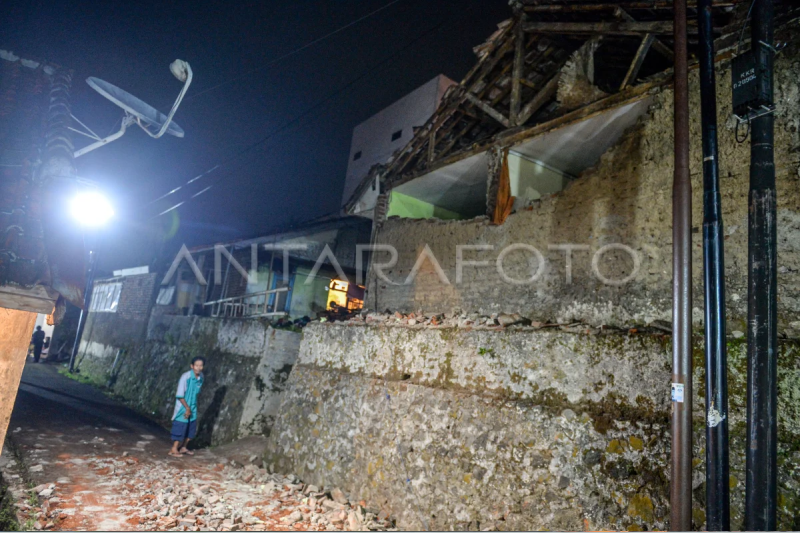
78	460
475	265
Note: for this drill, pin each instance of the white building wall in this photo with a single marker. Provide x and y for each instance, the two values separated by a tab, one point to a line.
373	137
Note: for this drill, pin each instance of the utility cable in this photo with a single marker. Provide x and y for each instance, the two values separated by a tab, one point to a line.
368	71
293	52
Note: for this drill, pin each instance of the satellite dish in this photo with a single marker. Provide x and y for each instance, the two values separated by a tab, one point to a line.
144	112
136	111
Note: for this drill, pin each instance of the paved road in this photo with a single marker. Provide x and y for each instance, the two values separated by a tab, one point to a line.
50	402
105	460
62	427
109	470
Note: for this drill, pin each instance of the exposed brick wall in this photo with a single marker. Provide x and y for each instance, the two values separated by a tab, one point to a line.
136	297
126	327
626	198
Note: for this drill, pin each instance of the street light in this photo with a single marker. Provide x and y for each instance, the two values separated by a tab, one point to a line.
91	210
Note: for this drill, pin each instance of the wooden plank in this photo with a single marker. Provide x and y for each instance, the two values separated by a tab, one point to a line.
541	98
454	139
516	74
489	110
638	59
603	28
489	65
658	44
568	8
501	39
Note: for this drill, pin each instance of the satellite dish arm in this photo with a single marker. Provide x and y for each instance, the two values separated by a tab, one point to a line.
182	71
127	120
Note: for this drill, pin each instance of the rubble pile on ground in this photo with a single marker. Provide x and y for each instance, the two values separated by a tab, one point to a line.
38	508
229	497
460	319
446	320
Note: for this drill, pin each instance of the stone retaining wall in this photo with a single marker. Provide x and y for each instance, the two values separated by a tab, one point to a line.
514	429
247	364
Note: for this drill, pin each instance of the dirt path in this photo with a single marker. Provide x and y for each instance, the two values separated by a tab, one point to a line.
89	463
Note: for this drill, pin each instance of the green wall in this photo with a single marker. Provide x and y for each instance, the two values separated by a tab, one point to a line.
309	299
404	206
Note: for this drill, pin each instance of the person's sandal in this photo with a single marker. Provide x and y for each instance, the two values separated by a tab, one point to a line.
173	454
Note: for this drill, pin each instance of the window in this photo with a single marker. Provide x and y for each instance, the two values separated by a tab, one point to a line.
357	156
165	295
396	135
105	298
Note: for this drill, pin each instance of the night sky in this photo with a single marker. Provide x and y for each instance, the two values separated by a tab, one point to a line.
304	106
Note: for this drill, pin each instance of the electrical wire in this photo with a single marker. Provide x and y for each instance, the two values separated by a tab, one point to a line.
368	71
270	63
293	52
744	26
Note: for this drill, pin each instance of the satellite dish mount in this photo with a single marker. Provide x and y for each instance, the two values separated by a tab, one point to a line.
154	123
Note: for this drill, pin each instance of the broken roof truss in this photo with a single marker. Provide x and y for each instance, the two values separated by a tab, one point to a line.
553	63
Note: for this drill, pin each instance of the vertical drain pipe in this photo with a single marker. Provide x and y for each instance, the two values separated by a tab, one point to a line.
681	478
717	469
762	332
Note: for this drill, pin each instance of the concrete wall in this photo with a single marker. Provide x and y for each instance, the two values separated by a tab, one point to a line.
475	428
16	328
626	198
247	363
373	137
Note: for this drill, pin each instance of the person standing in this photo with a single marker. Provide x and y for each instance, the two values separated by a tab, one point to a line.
37	339
184	418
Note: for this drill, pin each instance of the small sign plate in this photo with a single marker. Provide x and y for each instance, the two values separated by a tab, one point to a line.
677	392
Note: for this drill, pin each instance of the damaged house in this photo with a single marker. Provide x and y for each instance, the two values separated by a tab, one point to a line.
42	262
288	280
514	369
240	305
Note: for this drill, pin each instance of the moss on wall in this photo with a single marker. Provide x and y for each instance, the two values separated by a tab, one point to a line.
240	356
514	429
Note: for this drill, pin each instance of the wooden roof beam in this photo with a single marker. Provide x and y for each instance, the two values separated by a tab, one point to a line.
657	43
489	110
638	59
516	74
571	8
539	99
603	28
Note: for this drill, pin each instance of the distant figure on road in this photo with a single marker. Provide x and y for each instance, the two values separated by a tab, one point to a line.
38	342
184	419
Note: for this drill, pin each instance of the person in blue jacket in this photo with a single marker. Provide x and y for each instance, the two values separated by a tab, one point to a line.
184	418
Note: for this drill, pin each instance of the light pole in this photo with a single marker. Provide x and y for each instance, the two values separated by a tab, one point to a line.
92	211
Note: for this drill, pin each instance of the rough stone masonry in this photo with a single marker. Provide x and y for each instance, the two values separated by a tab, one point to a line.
625	198
247	363
508	428
481	426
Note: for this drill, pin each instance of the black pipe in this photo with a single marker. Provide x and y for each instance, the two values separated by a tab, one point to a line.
762	331
87	301
681	469
717	469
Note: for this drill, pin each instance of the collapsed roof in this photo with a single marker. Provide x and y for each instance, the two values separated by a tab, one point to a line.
554	63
